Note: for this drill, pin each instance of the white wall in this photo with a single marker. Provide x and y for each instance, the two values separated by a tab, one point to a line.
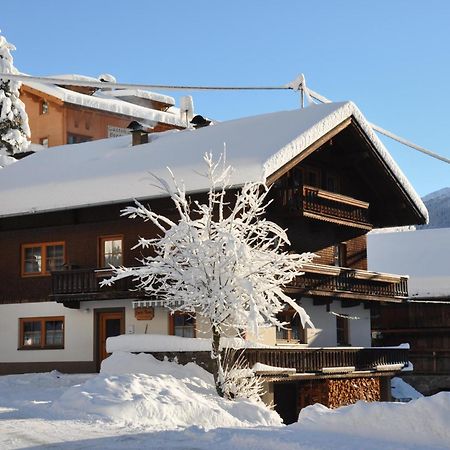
78	344
324	335
79	328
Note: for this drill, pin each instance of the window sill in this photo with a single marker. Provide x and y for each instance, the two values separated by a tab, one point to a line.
42	348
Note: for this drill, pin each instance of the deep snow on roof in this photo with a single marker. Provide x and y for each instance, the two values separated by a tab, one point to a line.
110	170
422	254
109	102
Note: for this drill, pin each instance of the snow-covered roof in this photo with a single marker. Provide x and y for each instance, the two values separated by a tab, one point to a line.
422	254
109	103
110	170
147	95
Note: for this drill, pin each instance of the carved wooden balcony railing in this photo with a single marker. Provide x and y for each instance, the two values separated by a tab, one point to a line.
75	285
319	204
330	360
308	361
356	284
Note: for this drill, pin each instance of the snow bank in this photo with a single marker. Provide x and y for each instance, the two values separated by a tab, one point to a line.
403	391
424	421
165	343
161	395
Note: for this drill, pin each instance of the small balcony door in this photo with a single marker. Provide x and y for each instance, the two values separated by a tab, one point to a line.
109	324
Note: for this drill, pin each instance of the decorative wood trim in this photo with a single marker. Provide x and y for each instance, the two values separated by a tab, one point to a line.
337	197
43	246
41	94
347	223
305	153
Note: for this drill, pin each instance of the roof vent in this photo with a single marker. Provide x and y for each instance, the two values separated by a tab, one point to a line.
107	78
199	121
138	132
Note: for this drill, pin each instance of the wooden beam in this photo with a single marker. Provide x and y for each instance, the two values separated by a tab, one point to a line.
319	301
37	93
305	153
349	303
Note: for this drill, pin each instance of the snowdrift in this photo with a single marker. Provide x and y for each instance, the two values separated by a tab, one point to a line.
140	391
424	421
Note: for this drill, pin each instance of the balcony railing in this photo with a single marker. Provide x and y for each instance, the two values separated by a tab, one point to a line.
316	362
350	283
328	206
77	285
330	360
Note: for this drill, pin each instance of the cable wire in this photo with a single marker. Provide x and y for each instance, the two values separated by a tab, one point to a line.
103	84
290	86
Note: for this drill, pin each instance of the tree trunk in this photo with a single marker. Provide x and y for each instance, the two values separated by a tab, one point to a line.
216	361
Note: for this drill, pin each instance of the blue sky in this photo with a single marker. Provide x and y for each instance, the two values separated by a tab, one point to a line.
391	57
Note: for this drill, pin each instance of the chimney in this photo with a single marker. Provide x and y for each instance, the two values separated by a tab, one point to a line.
199	121
138	133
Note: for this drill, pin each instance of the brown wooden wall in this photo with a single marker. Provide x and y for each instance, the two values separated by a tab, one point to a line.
426	327
50	125
64	118
356	253
80	230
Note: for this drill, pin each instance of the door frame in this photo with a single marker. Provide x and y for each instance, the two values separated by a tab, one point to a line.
97	315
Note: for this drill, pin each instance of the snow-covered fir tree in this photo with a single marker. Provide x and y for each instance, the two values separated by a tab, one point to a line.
222	259
14	129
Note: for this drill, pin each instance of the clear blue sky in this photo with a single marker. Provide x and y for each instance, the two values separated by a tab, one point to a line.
391	57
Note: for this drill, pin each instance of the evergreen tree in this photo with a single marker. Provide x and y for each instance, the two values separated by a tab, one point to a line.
14	129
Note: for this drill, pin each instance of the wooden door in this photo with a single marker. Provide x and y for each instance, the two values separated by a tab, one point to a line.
109	324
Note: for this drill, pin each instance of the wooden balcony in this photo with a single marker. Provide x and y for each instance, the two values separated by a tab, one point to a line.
319	204
308	362
329	361
322	280
72	286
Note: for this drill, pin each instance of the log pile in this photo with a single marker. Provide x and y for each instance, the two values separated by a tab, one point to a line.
347	391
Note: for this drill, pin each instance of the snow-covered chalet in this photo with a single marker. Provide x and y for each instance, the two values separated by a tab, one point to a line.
66	114
332	181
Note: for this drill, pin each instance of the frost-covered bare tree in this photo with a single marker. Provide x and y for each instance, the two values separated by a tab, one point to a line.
222	260
14	129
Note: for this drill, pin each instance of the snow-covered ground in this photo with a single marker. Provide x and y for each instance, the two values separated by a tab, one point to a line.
169	406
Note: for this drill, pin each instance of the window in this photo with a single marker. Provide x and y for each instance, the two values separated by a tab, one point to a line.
311	177
182	324
294	330
342	334
41	333
340	255
332	183
44	107
77	139
42	258
111	251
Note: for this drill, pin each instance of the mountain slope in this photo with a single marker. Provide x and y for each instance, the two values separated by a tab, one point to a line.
438	205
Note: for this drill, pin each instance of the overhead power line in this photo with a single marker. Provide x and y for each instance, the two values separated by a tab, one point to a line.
165	87
297	85
389	134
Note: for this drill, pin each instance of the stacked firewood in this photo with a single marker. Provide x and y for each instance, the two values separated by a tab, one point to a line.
347	391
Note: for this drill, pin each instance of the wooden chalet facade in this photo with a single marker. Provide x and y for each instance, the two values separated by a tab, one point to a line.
335	186
65	114
424	320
